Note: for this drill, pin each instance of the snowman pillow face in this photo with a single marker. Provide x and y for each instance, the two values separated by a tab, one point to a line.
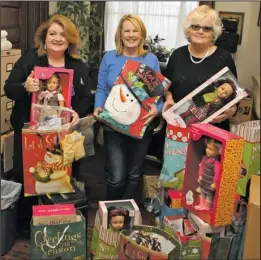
122	106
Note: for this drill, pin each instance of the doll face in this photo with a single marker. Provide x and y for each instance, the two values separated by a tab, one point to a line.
117	222
122	105
212	150
225	90
52	84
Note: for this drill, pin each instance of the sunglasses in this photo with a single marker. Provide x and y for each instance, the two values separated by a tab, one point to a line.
197	27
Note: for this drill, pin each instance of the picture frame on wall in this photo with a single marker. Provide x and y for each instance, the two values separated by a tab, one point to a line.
234	16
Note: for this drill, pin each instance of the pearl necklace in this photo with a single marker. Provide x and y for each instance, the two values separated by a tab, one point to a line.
197	62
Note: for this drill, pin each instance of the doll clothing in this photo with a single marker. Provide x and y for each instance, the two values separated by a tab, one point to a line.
209	170
48	98
73	148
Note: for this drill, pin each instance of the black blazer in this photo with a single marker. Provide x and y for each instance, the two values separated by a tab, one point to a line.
82	101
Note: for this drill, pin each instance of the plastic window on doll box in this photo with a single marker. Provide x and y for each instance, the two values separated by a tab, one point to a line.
51	94
118	218
209	174
205	104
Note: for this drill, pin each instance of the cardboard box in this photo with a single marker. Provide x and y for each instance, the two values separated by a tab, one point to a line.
252	238
244	111
54	214
250	131
203	104
150	185
226	175
133	217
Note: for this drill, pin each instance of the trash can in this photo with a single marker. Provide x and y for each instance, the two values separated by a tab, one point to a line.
10	193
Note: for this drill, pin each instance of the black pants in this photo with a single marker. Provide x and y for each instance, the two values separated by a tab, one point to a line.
125	157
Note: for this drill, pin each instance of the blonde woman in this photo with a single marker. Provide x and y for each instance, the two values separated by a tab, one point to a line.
189	66
125	155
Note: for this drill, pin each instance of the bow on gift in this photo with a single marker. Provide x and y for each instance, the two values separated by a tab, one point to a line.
118	212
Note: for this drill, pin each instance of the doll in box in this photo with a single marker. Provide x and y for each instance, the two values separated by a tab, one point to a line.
117	217
224	90
52	94
209	173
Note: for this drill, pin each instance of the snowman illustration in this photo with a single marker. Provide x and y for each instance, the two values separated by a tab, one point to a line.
122	106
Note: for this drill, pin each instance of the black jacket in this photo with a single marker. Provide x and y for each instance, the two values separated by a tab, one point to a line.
82	101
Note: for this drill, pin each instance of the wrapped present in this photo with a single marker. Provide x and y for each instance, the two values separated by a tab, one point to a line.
175	197
151	185
135	88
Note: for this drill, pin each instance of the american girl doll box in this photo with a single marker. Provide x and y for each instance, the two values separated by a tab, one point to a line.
56	88
206	102
119	214
136	87
211	173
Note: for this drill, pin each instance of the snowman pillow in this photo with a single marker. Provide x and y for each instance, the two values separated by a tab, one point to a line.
136	87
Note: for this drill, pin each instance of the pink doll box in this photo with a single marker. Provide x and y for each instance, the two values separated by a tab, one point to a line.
227	174
202	104
133	218
66	84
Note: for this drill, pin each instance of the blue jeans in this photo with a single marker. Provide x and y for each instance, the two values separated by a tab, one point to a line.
125	158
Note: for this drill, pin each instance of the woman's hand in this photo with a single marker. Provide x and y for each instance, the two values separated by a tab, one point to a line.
226	115
96	112
168	104
75	118
31	84
151	115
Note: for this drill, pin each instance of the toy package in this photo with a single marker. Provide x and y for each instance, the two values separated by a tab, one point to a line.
135	88
211	173
206	102
250	131
56	88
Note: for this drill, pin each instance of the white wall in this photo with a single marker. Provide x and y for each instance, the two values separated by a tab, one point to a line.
52	7
247	57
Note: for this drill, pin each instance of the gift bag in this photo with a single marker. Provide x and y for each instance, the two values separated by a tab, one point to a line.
43	166
61	241
205	246
138	242
175	151
105	242
250	131
135	88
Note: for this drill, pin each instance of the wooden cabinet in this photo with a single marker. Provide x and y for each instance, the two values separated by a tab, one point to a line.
8	59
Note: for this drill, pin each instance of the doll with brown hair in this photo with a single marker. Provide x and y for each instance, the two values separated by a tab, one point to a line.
209	173
51	94
117	217
206	104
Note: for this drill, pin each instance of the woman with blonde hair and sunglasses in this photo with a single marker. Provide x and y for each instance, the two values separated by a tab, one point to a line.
189	66
125	155
56	43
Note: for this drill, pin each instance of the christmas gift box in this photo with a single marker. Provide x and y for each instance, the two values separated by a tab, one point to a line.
56	88
206	102
43	167
175	151
136	87
212	173
146	242
175	198
59	241
250	131
105	242
54	214
126	211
